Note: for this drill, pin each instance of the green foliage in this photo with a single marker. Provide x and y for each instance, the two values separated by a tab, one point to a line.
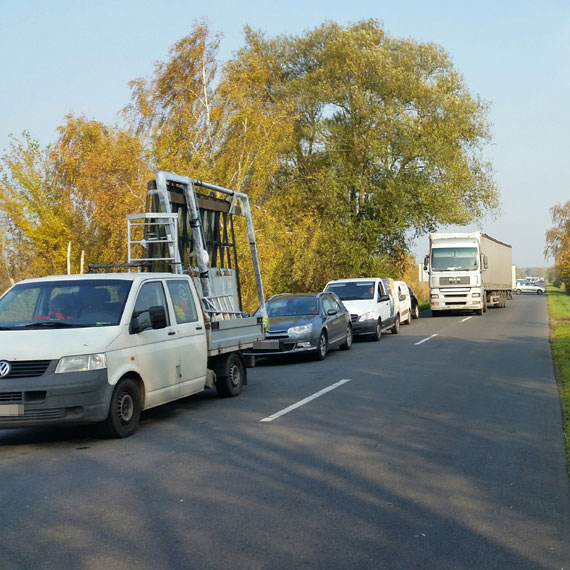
558	243
559	311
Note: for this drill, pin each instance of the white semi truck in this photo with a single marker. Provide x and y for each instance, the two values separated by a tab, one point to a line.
468	272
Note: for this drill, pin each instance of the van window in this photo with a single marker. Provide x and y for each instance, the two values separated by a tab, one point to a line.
150	295
181	295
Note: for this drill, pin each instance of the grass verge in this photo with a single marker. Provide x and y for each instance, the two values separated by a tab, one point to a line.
558	303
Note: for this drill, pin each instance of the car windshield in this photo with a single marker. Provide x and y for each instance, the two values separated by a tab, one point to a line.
353	290
454	258
64	304
293	307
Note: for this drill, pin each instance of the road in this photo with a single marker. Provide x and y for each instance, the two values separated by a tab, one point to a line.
437	448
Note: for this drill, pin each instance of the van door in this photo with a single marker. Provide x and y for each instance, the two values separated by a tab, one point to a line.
189	337
386	306
156	356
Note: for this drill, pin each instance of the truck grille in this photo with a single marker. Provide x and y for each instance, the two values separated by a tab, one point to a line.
459	280
27	369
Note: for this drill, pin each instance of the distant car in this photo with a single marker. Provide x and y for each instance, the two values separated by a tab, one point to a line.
529	287
307	323
415	304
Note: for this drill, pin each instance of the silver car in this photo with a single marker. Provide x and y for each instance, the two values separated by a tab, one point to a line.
307	323
529	287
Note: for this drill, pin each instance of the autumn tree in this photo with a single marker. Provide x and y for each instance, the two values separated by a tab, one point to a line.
103	173
387	144
558	242
176	111
35	212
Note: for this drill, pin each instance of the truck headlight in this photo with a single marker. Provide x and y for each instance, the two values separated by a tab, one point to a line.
369	316
434	296
81	363
475	294
299	331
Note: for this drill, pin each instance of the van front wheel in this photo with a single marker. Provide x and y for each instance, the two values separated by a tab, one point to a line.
124	410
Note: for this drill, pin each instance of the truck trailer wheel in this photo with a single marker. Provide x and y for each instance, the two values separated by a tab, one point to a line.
230	376
124	410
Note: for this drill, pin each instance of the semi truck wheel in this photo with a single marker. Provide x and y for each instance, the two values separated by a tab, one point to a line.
124	410
230	376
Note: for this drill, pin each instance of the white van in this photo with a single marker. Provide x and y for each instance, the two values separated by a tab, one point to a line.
373	309
103	347
404	301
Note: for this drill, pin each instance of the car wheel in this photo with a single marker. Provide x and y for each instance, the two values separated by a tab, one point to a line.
396	328
408	321
322	347
539	291
347	344
124	410
231	377
518	291
377	331
416	312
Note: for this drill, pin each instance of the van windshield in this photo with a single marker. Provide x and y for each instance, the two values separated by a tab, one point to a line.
353	290
454	258
64	304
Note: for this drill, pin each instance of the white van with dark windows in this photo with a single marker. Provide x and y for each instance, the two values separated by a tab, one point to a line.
371	303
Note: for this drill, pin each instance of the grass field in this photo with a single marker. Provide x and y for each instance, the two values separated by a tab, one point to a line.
559	311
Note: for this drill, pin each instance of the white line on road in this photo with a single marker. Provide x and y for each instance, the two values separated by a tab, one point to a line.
466	319
426	339
305	401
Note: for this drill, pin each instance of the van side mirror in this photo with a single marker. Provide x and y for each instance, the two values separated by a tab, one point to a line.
426	262
484	261
157	317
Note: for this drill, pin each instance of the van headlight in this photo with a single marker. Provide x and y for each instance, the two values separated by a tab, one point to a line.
81	363
369	316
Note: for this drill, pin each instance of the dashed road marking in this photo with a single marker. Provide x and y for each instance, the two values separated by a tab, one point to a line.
426	339
304	401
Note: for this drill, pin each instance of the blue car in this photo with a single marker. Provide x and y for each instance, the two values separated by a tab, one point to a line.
310	323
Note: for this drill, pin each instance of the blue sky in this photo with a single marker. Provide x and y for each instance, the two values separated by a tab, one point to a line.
76	56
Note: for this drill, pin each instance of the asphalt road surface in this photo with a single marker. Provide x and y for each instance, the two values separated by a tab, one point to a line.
437	448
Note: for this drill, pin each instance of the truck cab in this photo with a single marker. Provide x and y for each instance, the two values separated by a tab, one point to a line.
371	303
455	273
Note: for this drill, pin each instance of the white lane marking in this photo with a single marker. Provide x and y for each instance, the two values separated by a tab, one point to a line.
426	339
466	319
303	402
